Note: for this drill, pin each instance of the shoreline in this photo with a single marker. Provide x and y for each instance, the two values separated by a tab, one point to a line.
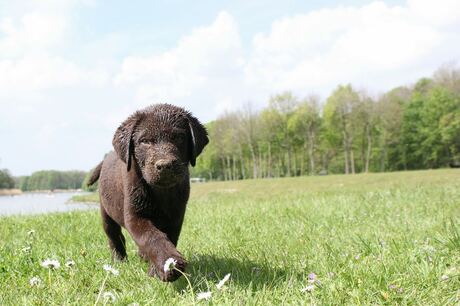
53	191
10	192
92	197
13	192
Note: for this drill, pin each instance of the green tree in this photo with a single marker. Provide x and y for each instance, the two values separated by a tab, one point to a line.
52	179
429	123
248	124
281	108
414	127
389	111
208	165
6	179
304	125
339	113
449	126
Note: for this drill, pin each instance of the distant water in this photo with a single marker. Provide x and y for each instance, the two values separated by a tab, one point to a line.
40	203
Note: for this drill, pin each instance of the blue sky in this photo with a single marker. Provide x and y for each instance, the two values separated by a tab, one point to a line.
72	70
158	24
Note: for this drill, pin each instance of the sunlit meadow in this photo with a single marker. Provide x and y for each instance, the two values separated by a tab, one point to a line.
365	239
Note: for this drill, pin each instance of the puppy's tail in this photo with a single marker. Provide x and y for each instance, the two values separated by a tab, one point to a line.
95	175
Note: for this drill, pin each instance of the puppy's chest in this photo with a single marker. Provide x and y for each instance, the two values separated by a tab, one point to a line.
153	206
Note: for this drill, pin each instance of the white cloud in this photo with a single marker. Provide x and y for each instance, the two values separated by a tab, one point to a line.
376	46
42	72
440	13
31	32
305	52
317	51
207	54
30	41
35	26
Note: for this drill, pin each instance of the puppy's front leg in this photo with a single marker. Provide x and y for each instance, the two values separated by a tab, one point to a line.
155	245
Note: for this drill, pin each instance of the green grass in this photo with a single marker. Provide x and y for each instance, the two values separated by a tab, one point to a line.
89	198
381	239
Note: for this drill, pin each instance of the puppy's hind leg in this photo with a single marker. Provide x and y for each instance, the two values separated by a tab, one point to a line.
116	238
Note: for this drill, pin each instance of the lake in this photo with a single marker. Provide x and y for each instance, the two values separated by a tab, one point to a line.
39	203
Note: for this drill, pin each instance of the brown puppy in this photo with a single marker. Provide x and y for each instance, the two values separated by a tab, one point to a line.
144	185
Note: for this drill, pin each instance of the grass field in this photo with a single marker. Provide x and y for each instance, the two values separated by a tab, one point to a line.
381	239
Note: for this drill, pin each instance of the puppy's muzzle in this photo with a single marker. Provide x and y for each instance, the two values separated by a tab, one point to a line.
168	171
164	166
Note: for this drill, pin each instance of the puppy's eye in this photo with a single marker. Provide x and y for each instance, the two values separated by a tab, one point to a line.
179	138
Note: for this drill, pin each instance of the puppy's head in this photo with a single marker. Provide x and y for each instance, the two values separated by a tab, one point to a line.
162	140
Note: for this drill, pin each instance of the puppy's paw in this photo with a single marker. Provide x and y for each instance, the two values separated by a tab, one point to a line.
118	256
142	255
166	268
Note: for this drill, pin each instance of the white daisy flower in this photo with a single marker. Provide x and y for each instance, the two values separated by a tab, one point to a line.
309	288
50	264
109	296
444	277
70	263
204	295
110	269
26	249
223	281
170	264
35	281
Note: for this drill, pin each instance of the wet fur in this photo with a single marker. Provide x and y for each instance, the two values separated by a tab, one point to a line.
136	195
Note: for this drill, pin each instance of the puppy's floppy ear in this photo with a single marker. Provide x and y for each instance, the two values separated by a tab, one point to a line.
123	139
198	138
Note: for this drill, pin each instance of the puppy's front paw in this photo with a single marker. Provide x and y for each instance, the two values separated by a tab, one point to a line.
142	255
166	269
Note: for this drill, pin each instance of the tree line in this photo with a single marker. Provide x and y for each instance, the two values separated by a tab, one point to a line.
406	128
51	180
6	179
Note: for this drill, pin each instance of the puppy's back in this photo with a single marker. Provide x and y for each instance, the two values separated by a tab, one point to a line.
111	186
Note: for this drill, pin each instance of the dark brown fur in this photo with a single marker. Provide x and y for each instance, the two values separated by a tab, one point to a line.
144	185
95	175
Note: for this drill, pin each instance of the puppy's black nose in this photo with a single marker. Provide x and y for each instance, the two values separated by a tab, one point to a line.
164	164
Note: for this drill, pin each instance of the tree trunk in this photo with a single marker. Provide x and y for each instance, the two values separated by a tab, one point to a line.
383	155
234	174
254	159
224	168
294	164
261	169
281	166
302	159
311	153
345	151
229	168
352	161
243	171
363	149
325	162
269	164
369	148
288	173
